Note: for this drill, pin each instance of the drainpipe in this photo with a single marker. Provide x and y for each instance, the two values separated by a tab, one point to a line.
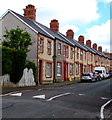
37	78
54	62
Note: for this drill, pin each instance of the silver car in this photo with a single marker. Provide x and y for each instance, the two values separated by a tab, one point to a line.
87	77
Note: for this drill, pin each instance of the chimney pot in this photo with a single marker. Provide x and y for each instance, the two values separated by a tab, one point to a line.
88	43
81	39
30	12
70	34
95	46
54	25
100	48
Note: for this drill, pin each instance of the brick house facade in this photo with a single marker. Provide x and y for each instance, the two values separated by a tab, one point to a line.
57	56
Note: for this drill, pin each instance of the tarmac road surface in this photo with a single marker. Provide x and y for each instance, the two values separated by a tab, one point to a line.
80	100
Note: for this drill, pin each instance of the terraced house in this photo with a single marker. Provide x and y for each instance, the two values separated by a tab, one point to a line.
57	56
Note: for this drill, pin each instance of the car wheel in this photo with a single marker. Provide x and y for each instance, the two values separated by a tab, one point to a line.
100	78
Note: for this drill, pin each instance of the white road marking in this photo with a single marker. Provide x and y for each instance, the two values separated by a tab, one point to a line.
81	94
39	96
104	98
102	109
39	89
2	95
58	96
16	94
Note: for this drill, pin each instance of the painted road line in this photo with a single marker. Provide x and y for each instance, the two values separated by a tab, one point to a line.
104	98
102	109
16	94
81	94
39	96
58	96
2	95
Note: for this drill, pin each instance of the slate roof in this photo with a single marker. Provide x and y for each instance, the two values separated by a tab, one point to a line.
39	28
33	25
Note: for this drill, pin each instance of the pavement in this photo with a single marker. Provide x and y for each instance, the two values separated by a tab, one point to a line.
5	90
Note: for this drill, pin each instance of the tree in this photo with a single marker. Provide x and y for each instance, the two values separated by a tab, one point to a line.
17	39
14	53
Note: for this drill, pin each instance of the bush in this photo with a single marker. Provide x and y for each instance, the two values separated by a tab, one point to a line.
13	63
6	60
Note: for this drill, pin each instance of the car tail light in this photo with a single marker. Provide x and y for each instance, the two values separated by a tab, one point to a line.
96	75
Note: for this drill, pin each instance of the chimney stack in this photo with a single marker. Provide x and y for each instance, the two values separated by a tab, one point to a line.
100	48
95	46
88	43
54	25
30	12
70	34
81	39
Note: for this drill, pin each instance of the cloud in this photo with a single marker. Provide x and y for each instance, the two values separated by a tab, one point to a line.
104	1
80	12
67	27
100	34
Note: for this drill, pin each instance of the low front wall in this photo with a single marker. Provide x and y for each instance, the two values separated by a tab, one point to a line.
26	80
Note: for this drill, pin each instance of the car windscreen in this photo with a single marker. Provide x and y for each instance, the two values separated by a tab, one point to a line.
87	74
110	71
99	71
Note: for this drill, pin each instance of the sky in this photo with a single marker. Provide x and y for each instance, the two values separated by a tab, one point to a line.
90	18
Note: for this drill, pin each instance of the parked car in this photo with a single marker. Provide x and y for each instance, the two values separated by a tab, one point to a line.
97	76
87	77
101	71
110	73
107	75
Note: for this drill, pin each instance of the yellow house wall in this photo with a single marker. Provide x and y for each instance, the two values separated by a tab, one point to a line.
45	57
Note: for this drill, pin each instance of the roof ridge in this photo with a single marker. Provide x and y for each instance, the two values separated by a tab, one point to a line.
43	29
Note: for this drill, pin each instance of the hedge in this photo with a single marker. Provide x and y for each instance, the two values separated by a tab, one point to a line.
13	63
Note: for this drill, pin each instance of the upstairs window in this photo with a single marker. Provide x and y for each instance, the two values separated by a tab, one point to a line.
78	53
64	50
41	45
59	48
71	53
81	55
67	51
49	48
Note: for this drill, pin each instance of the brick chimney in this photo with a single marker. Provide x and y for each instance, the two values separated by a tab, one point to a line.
54	25
70	34
88	43
100	48
81	39
95	46
30	12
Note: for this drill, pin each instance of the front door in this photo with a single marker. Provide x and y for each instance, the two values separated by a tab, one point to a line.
40	71
81	69
65	71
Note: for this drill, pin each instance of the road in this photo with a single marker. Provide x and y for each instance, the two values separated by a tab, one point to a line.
80	100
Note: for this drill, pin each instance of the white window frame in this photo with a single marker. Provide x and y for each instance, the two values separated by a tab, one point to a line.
71	69
59	67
